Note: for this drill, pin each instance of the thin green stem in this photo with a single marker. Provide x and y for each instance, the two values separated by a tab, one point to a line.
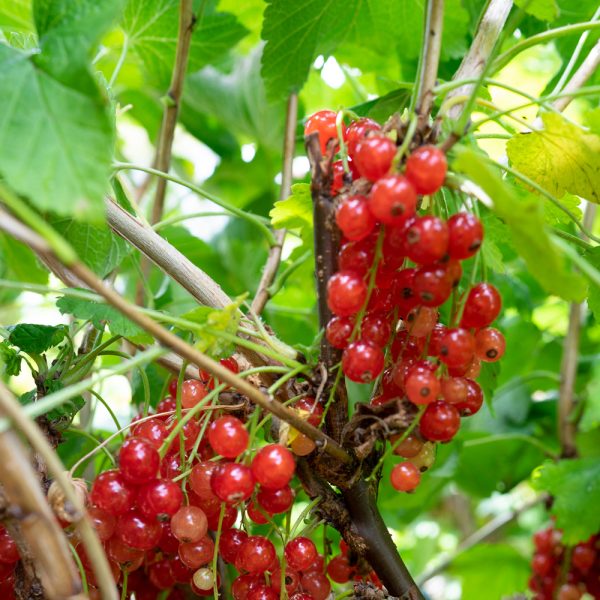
280	281
257	221
84	583
216	552
124	594
584	266
574	239
109	410
513	436
339	125
121	61
179	218
96	441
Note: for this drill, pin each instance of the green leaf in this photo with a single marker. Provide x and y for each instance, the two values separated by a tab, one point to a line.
98	314
21	263
10	358
490	571
295	33
561	158
152	29
295	212
575	486
225	320
555	216
59	135
97	246
524	216
35	339
16	16
544	10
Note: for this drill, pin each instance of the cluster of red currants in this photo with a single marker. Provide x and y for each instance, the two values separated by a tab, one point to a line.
165	514
399	262
561	572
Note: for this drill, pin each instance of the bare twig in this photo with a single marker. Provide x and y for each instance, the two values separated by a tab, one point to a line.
567	427
274	258
167	130
432	45
10	406
580	77
475	61
487	532
40	539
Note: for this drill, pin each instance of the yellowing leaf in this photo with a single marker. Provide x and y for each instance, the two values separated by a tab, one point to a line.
561	158
295	212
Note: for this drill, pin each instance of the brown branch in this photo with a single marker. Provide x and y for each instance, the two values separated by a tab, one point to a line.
11	408
485	533
567	427
327	240
274	258
432	46
475	60
587	68
40	538
167	131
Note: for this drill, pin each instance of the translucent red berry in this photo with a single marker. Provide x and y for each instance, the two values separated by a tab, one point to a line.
311	406
356	257
409	447
232	482
375	329
189	524
405	477
323	122
337	177
197	554
230	543
489	344
316	585
138	460
192	392
373	157
255	555
426	168
300	553
466	235
457	347
422	386
273	466
339	569
393	200
161	497
9	552
362	361
357	131
346	293
439	422
138	532
432	286
276	502
354	218
228	436
104	523
427	240
153	430
112	493
482	306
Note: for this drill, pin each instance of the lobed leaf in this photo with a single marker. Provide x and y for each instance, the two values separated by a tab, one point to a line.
35	339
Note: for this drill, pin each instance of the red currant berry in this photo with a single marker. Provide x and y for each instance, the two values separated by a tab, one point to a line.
356	257
421	320
435	339
229	518
454	389
255	555
338	172
138	461
357	131
545	540
231	364
230	543
170	466
394	246
112	493
138	532
168	542
422	386
405	477
466	235
9	552
276	502
200	480
427	240
180	572
262	592
159	498
432	285
168	405
354	218
426	168
273	466
489	344
228	436
482	306
300	553
409	447
119	552
323	122
191	431
393	200
192	392
311	406
232	482
316	585
583	557
569	591
439	422
160	574
542	564
338	331
375	329
346	293
373	157
291	580
243	584
104	523
339	569
189	524
404	289
153	430
457	347
197	554
362	361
